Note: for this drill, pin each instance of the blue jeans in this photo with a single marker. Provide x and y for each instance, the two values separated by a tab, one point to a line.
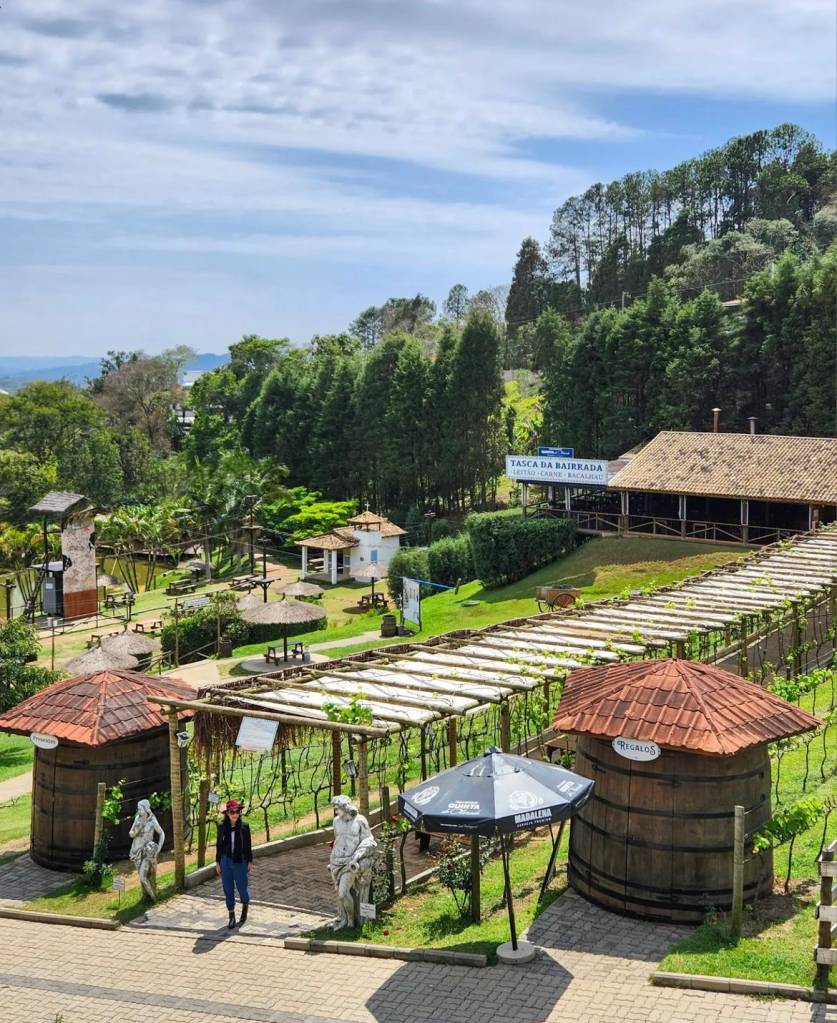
234	875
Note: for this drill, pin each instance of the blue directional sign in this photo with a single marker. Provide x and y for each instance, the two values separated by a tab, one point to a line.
557	452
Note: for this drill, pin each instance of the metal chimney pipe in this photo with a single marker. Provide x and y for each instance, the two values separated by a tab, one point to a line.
752	421
715	414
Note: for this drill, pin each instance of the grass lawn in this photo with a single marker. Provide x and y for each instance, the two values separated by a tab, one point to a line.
15	818
428	917
79	900
780	931
602	567
16	755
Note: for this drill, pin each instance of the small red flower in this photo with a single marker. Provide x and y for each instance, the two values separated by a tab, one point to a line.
386	931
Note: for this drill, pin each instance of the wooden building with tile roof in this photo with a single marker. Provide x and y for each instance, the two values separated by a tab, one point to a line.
729	487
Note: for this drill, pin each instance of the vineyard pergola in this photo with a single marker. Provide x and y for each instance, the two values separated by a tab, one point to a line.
784	595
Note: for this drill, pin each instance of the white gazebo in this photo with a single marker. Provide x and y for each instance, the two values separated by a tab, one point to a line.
366	539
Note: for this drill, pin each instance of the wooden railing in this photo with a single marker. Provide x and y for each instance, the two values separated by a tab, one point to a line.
825	954
591	520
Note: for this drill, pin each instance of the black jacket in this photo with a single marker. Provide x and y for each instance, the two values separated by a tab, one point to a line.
243	845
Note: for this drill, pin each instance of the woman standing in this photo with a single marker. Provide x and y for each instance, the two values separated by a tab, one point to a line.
234	859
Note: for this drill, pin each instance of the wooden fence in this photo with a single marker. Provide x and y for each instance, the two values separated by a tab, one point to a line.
824	953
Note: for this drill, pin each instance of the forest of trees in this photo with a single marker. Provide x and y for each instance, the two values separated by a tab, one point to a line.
623	321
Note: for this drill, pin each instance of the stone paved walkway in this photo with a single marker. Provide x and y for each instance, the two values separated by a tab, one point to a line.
593	969
291	892
22	880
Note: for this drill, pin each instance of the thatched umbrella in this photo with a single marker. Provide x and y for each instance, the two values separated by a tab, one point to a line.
249	599
131	643
99	659
302	589
106	580
373	570
283	612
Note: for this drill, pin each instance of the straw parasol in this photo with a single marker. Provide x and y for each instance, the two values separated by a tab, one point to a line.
302	589
99	659
283	612
105	580
131	643
374	570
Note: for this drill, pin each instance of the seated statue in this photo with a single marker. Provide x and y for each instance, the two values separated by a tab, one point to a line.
352	856
145	848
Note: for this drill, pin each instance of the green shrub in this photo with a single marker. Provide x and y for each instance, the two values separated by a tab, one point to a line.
439	530
18	679
507	548
199	630
451	559
413	562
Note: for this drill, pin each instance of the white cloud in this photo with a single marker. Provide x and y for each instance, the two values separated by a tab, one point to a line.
251	127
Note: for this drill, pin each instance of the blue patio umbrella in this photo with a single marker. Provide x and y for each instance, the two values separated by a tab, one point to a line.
497	794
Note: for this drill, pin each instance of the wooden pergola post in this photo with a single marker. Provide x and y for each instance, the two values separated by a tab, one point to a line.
176	803
203	807
363	775
336	763
505	727
451	742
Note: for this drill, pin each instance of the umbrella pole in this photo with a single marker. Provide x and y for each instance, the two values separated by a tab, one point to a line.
551	863
285	643
512	926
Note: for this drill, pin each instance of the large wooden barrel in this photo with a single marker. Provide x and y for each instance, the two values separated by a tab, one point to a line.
656	838
64	784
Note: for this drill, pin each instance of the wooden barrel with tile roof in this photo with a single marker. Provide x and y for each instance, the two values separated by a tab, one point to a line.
656	839
106	731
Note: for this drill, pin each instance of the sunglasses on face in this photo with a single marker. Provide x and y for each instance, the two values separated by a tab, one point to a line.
233	813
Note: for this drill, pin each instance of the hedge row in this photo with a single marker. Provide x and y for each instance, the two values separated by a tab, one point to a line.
446	561
507	548
199	631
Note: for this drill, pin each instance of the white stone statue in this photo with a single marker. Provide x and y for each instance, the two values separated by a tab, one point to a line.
352	856
145	848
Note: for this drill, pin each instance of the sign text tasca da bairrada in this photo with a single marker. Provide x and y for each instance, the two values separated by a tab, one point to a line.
576	472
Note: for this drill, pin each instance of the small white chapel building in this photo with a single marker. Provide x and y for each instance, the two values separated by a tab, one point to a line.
366	539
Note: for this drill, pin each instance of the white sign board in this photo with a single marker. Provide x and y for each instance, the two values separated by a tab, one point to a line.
118	884
256	735
43	741
634	749
411	600
573	472
368	911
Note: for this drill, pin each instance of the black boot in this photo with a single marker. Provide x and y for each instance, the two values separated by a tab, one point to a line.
244	907
231	924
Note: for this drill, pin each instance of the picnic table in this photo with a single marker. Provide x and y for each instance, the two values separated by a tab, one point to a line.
273	656
154	626
373	600
243	582
179	588
114	600
97	637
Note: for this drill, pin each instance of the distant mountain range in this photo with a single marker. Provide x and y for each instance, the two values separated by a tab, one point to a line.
17	370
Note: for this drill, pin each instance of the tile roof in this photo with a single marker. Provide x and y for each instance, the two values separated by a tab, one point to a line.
56	502
95	709
336	540
380	522
678	704
739	465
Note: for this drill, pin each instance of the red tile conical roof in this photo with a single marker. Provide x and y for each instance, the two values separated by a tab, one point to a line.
95	709
678	704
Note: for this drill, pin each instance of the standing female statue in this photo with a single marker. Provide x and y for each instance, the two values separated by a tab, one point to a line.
144	848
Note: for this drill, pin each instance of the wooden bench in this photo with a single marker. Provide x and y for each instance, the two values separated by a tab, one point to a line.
97	637
242	582
154	626
371	601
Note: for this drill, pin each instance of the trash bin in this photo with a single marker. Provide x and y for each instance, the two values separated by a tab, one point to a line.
225	647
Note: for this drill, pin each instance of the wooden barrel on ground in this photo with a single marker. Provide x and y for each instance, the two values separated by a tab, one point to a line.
656	838
64	786
389	626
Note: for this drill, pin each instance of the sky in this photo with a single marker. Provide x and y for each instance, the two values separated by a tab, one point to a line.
188	171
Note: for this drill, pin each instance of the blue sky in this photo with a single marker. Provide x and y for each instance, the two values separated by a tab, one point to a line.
186	171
